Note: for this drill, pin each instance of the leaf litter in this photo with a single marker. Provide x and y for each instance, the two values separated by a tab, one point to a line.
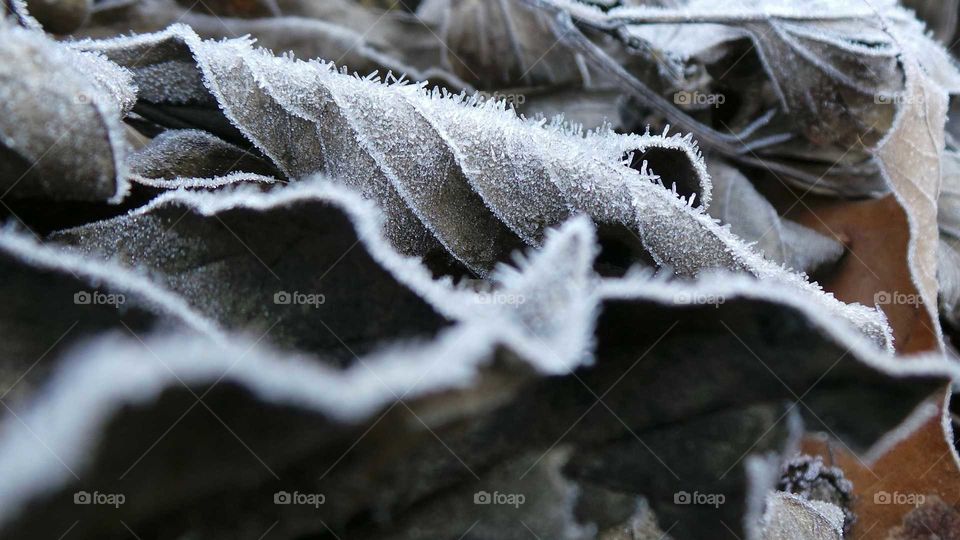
718	293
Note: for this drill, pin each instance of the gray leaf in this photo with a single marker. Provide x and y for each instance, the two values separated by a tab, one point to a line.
472	176
286	264
754	219
60	110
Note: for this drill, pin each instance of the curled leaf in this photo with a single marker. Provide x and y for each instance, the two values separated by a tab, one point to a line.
60	137
468	176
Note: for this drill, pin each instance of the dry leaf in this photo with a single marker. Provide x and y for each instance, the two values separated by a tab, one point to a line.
60	111
249	295
911	465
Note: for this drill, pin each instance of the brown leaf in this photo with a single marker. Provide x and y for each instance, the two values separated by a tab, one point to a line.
912	464
874	269
891	241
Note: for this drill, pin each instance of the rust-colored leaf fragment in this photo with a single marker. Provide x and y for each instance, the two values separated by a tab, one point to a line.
912	465
874	270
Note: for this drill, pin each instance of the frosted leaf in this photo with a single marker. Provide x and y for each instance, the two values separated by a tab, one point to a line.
500	43
467	158
75	298
329	145
909	158
708	302
113	83
158	186
393	32
287	263
334	32
298	141
300	416
422	166
789	517
193	154
834	75
808	477
754	219
221	245
400	300
828	75
163	69
60	131
287	409
672	465
803	55
547	298
328	115
503	162
307	38
918	43
672	159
